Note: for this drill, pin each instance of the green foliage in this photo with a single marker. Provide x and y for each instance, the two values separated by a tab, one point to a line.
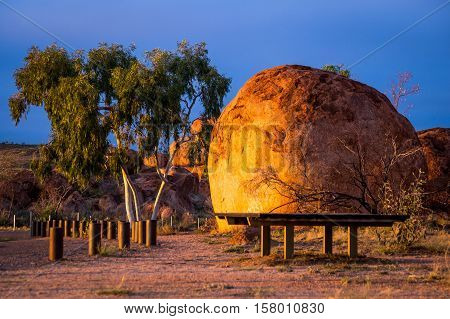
183	79
338	69
108	91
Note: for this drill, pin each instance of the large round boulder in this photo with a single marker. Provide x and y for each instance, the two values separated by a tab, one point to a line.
295	126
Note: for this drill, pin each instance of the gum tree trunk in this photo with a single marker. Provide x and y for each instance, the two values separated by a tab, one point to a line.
128	201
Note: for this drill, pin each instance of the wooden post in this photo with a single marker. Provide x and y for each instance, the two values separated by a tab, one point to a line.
75	228
53	223
136	231
141	232
265	240
14	222
34	230
104	228
133	232
124	234
61	224
67	228
82	229
327	246
95	240
353	241
55	246
42	228
112	230
39	229
47	228
288	242
31	224
151	230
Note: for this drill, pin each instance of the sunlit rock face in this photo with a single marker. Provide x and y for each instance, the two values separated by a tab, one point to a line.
304	125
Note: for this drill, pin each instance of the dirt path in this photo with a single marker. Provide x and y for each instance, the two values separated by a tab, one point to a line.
199	266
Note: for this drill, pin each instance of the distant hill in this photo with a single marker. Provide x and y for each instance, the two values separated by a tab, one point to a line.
15	157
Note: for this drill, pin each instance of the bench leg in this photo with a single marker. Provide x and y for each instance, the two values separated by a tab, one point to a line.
353	241
265	240
327	247
288	242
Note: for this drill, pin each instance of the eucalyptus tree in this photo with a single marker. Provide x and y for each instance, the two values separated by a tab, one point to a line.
186	83
84	108
109	91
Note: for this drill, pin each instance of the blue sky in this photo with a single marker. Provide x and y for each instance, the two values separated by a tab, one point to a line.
243	38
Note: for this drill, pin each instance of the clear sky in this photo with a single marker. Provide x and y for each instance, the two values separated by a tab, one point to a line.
244	37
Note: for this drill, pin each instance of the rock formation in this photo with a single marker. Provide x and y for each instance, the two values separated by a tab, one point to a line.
308	128
436	148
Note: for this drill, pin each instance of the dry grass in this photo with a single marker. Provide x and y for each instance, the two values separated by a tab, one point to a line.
108	251
114	292
117	291
436	243
235	249
166	230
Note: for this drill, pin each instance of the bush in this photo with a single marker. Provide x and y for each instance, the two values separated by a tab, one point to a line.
338	69
407	201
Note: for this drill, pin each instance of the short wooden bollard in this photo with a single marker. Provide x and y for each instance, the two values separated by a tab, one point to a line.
265	240
136	232
55	243
34	230
141	232
67	228
39	229
123	234
48	225
75	228
61	224
151	232
95	240
133	232
54	223
82	229
104	228
111	231
44	229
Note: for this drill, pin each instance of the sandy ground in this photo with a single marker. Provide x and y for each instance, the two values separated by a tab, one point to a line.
202	266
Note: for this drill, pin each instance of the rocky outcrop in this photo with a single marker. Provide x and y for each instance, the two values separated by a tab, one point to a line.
151	160
436	148
308	127
184	193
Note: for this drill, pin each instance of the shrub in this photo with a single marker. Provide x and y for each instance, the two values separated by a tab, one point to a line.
338	69
407	201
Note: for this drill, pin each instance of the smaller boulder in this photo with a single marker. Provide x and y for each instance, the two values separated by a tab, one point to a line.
75	203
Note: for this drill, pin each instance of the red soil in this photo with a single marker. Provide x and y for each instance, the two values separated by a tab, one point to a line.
197	266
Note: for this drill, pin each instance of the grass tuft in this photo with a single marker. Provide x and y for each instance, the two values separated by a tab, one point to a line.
235	249
114	292
108	251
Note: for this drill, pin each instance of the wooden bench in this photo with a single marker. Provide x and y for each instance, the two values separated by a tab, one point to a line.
351	221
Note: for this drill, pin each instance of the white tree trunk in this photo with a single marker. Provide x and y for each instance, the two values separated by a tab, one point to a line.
158	201
137	204
128	202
